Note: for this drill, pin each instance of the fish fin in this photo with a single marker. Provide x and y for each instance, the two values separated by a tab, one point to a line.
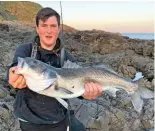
99	65
63	102
54	91
137	101
146	93
112	91
106	67
137	97
69	64
138	76
65	90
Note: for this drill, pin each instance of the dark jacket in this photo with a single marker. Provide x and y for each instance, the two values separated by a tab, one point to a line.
33	107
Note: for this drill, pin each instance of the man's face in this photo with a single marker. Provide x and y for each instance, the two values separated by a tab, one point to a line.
48	31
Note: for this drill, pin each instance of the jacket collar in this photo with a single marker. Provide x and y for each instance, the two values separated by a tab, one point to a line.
56	50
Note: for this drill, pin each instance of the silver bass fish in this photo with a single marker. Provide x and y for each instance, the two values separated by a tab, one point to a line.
68	82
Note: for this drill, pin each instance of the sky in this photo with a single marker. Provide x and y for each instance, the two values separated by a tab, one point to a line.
113	16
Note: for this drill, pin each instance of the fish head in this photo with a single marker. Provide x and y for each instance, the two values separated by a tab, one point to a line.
37	75
34	68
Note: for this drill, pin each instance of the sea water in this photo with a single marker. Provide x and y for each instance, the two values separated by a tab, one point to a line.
139	35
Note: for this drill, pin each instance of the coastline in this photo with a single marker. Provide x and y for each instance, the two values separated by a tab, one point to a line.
146	36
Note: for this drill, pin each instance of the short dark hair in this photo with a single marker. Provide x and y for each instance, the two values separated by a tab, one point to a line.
45	13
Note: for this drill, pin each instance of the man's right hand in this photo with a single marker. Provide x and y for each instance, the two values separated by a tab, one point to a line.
16	80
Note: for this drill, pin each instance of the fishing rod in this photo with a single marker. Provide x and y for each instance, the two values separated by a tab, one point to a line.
61	17
62	101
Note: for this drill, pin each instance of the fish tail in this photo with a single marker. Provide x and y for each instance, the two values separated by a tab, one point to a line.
137	101
139	95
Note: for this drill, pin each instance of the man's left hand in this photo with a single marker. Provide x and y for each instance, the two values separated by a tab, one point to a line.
92	90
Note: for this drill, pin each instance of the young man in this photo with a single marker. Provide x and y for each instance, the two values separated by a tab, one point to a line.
37	112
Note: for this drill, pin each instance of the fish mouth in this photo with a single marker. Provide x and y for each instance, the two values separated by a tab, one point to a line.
19	65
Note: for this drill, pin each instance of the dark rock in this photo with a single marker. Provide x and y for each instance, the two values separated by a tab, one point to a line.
126	37
4	27
3	93
5	106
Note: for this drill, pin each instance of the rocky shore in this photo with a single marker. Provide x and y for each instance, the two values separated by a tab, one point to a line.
106	113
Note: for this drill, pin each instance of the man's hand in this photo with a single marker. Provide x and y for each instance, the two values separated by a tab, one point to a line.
16	80
92	90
